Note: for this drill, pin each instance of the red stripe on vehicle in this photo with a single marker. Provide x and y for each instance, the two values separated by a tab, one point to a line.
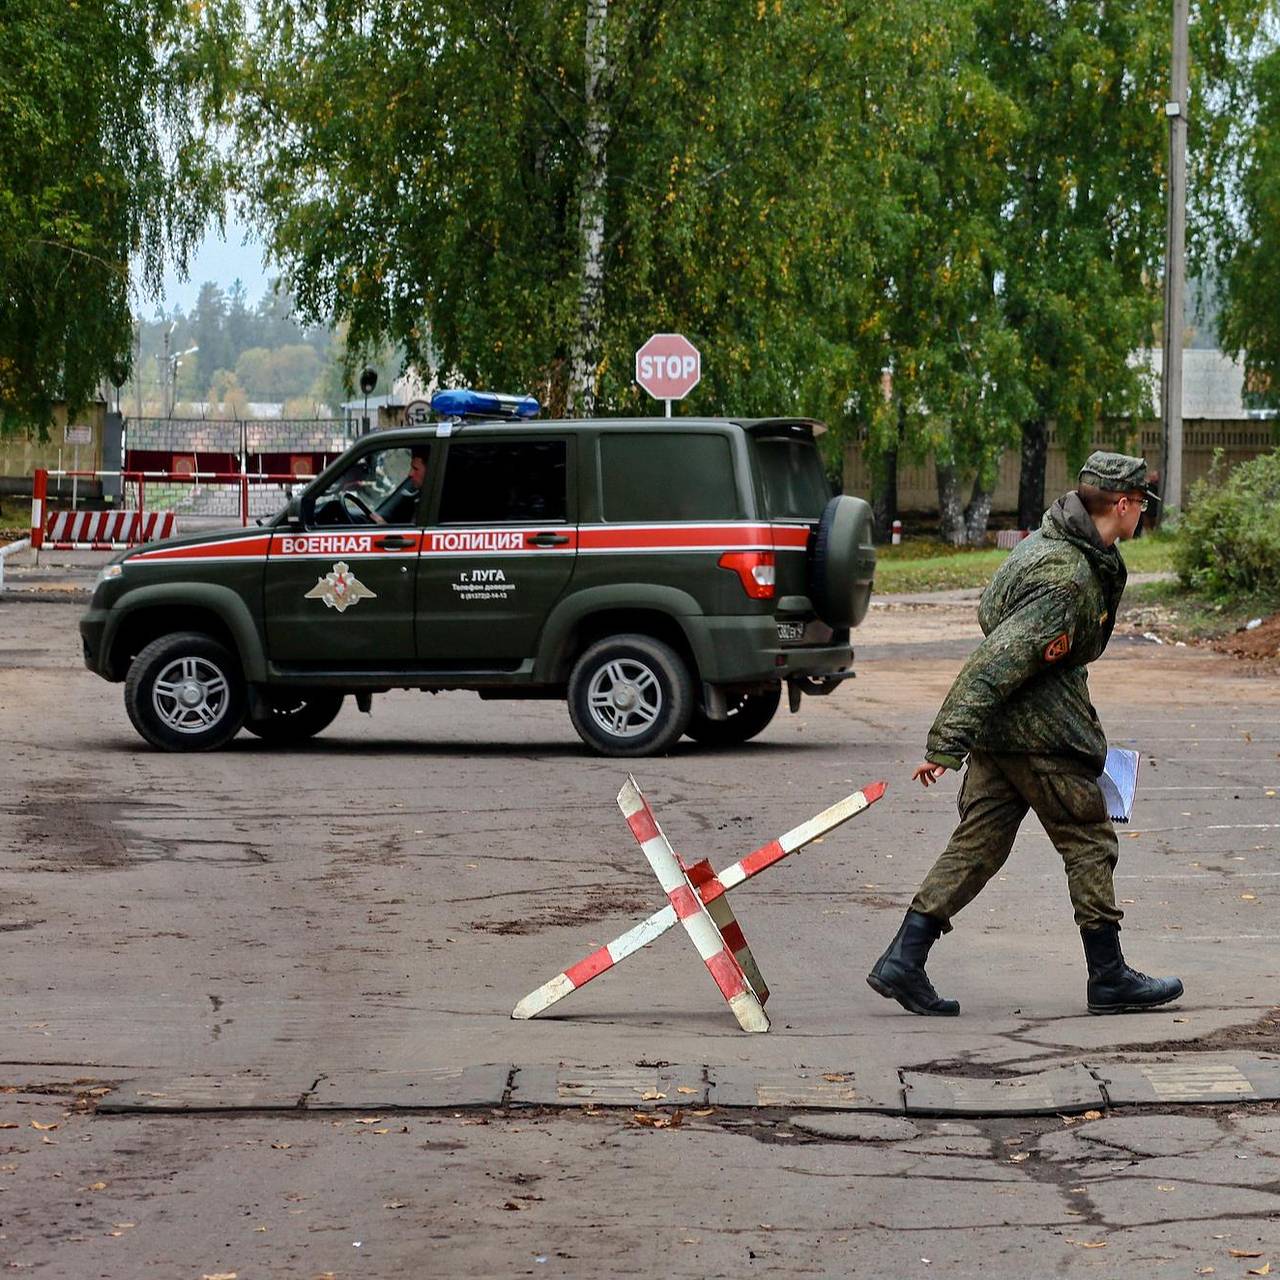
244	548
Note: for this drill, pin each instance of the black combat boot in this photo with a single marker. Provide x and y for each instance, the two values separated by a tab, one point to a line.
899	973
1113	986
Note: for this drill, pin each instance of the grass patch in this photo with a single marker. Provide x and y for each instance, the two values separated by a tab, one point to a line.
923	565
1173	613
15	518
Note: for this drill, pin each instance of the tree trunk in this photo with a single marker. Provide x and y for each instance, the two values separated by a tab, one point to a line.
978	512
884	494
1035	454
585	350
950	511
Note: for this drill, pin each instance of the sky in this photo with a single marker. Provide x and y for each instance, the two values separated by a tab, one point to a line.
222	260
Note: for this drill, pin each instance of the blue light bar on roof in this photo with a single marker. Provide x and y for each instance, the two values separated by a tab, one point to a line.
464	403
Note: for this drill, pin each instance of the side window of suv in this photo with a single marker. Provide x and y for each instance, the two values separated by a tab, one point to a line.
667	475
501	482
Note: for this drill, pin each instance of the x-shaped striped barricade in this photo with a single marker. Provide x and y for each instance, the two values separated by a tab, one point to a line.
696	898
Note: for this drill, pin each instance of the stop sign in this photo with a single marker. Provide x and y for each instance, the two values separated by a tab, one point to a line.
668	366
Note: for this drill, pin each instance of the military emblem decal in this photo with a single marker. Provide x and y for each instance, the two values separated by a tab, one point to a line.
1058	648
340	588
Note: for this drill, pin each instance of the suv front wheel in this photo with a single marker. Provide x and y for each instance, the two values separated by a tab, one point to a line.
630	695
185	692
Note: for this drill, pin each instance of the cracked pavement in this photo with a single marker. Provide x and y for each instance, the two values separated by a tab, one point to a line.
374	905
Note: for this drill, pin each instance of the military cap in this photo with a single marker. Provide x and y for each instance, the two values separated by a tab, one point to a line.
1116	473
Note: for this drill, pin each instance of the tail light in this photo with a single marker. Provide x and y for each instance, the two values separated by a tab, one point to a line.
755	570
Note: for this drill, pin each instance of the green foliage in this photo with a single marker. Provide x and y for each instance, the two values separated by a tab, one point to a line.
927	566
416	168
1249	323
105	157
1229	538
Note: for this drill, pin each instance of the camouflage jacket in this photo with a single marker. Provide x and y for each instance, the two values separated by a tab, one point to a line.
1048	612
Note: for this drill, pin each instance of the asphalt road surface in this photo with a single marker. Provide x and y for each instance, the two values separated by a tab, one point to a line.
243	930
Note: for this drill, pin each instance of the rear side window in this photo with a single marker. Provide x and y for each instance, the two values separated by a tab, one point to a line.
791	474
667	475
500	481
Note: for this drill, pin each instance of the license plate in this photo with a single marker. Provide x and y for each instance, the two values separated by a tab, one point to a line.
790	630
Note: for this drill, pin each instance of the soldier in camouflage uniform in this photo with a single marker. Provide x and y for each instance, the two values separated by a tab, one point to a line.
1020	712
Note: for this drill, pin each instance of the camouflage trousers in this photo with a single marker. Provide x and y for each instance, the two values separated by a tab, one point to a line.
997	791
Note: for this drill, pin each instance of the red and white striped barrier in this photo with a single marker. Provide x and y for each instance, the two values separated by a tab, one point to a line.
100	530
696	899
1007	539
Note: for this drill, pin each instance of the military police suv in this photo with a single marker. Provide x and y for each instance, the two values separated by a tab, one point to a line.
665	577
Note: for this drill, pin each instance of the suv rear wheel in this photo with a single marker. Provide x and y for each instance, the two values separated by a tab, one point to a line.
294	717
185	692
749	714
630	695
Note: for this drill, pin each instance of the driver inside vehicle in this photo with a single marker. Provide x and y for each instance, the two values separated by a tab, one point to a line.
382	487
401	504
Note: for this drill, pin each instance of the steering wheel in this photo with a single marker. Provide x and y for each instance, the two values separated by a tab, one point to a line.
350	496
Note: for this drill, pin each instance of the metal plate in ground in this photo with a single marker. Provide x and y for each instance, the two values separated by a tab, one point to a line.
160	1093
431	1089
624	1086
1192	1079
1061	1089
812	1090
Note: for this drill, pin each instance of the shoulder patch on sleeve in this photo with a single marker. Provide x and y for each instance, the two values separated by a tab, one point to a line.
1058	648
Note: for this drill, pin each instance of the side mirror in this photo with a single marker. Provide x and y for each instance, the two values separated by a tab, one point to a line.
302	507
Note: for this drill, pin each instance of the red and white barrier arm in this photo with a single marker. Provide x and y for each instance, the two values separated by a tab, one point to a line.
39	496
660	921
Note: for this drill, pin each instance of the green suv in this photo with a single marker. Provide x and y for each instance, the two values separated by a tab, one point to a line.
663	576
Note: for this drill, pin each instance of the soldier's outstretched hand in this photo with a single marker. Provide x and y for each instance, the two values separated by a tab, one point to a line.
928	773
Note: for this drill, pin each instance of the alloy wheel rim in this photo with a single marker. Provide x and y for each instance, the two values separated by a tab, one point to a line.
190	695
625	698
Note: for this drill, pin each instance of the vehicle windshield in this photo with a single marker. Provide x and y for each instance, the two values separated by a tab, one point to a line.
791	473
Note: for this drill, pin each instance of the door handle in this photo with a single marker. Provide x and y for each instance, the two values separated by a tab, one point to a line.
545	539
393	542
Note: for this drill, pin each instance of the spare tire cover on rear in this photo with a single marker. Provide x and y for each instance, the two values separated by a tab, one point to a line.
842	563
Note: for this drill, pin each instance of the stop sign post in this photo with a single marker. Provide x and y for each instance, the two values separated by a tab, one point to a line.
668	367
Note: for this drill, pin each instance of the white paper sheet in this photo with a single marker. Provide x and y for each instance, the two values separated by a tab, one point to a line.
1119	782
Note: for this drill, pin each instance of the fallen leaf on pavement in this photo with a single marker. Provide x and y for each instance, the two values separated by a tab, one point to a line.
1019	1157
395	1204
703	1111
1244	1253
1206	1271
96	1186
651	1095
8	1124
370	1119
511	1204
1264	1270
281	1146
219	1275
684	1088
35	1124
836	1077
379	1130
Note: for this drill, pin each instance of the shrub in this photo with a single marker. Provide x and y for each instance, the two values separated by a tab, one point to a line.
1228	544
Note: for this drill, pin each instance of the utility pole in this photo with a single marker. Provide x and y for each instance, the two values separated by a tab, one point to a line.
1175	264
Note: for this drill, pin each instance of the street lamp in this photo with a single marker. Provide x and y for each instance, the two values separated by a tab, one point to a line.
368	380
173	376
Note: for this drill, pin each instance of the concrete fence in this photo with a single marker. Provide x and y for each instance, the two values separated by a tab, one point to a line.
1239	440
